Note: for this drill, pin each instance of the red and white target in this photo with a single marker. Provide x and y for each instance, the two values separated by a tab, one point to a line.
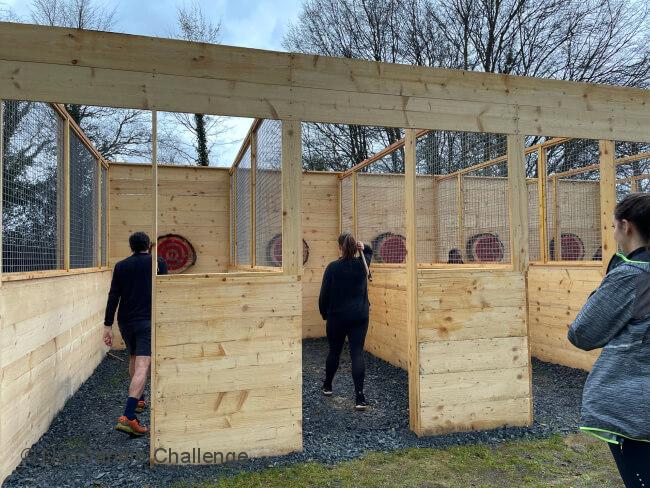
274	251
571	248
485	248
392	249
177	252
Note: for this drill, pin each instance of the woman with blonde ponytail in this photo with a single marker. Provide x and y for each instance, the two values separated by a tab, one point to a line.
343	303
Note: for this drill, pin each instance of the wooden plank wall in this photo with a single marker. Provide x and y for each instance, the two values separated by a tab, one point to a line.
387	329
555	296
473	350
50	343
228	362
193	202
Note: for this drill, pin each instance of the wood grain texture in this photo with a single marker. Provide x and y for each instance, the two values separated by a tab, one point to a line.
50	343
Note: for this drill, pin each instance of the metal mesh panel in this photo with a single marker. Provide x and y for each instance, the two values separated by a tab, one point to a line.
573	201
243	204
83	205
347	210
380	208
32	195
462	198
532	185
104	186
632	168
233	209
268	194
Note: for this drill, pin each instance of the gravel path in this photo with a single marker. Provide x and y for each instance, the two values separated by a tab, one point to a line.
81	449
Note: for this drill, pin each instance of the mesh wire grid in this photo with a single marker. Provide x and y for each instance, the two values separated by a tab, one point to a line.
347	209
32	223
243	204
83	205
462	211
104	211
573	201
632	168
268	194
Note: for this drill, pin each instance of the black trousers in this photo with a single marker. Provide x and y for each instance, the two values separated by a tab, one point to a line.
633	462
337	331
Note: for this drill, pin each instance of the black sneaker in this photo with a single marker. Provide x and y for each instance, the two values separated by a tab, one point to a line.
327	389
360	403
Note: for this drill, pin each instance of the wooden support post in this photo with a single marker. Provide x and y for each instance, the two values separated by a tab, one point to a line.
66	193
291	198
2	153
340	183
435	224
355	221
607	199
518	203
154	273
253	179
557	235
459	209
541	204
412	282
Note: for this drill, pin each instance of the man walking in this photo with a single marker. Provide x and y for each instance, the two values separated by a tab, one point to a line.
131	290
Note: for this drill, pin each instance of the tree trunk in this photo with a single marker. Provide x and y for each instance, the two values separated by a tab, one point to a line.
201	142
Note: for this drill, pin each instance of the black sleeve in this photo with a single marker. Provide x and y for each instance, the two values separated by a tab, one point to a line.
367	253
162	266
113	297
324	297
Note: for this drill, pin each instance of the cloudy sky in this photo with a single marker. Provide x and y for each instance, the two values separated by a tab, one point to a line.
249	23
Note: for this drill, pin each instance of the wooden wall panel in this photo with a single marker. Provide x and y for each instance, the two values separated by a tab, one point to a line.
555	296
228	362
192	202
473	351
387	333
50	343
87	67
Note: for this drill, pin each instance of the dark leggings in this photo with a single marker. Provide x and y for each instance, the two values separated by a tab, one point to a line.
633	462
337	331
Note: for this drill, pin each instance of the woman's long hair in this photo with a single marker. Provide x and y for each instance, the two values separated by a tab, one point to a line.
635	208
348	246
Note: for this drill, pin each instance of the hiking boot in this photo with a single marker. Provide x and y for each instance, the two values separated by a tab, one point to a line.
360	403
131	427
327	389
142	404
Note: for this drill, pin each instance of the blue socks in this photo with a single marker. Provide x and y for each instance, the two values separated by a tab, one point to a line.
129	411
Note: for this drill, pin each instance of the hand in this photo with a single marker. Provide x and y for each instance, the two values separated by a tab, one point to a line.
360	246
108	335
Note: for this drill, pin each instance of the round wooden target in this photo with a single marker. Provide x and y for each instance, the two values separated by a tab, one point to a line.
177	252
392	249
571	248
485	248
274	251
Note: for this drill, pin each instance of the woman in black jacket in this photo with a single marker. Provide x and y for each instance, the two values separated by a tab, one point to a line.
343	303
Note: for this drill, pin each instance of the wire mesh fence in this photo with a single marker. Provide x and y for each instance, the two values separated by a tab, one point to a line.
83	205
104	213
632	168
32	197
380	208
243	206
533	187
268	194
573	201
347	205
462	198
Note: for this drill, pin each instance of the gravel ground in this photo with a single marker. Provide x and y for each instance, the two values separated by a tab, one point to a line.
81	448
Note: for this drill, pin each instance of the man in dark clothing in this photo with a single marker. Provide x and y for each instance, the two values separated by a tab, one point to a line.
131	290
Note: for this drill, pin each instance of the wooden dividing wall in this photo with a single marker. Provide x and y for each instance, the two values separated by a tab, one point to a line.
228	363
473	350
555	296
387	336
50	343
192	202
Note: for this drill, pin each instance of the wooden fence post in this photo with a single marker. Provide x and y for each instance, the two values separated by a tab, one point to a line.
518	203
291	198
607	199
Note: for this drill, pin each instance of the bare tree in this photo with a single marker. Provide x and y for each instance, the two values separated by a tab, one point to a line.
201	132
117	133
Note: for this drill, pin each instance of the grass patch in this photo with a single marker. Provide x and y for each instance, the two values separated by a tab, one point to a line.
575	461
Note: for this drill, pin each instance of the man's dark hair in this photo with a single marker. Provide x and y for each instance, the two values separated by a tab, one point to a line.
139	242
635	208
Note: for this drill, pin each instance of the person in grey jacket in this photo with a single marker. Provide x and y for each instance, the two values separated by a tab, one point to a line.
616	318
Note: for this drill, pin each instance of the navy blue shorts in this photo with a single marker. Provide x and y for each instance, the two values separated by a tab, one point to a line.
137	337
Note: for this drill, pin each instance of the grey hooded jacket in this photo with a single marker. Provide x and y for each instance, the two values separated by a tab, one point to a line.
616	317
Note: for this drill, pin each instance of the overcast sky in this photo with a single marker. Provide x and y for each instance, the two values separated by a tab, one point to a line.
249	23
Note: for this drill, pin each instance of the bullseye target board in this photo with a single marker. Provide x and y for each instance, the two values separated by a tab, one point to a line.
485	248
274	251
177	252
